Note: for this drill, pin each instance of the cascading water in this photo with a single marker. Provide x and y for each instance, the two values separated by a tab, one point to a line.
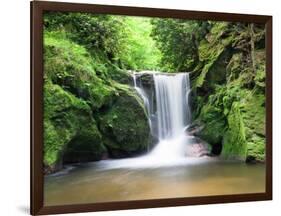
173	115
166	102
172	104
145	99
166	99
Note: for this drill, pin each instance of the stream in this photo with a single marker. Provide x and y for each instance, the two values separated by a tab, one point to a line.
93	182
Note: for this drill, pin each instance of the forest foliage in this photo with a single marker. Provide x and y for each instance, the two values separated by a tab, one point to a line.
124	41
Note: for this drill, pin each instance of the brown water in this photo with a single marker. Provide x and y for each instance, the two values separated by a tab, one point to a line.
91	182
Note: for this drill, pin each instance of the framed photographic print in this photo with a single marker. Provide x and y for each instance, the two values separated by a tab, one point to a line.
141	107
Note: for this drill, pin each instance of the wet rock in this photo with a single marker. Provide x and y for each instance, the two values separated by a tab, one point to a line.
124	127
147	79
193	129
251	160
197	148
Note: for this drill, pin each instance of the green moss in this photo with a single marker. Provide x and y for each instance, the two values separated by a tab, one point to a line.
129	91
53	143
214	52
256	148
231	92
209	51
64	119
125	126
61	55
86	145
253	113
202	76
234	140
212	118
217	31
72	67
215	43
120	75
59	126
260	70
234	117
234	67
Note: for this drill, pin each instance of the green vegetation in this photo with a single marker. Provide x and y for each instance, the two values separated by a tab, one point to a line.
84	94
178	41
227	65
122	41
234	140
226	83
140	51
92	112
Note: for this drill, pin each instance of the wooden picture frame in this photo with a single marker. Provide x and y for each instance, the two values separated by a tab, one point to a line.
37	176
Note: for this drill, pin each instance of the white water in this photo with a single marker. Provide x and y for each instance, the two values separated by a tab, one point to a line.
144	97
172	114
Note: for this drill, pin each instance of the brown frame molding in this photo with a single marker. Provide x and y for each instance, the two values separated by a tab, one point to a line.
36	164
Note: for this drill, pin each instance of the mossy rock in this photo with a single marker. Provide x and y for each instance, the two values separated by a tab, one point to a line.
234	140
253	113
234	67
85	146
214	54
119	75
125	126
146	79
240	72
260	70
229	91
213	122
64	119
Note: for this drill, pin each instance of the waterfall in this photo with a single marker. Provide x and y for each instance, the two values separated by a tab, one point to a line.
145	99
171	114
166	99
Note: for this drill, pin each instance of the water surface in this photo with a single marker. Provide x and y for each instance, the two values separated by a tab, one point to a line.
98	182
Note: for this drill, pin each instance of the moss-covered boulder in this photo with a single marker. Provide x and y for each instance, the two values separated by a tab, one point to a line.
234	140
85	146
253	113
120	75
245	135
233	122
125	126
67	119
213	122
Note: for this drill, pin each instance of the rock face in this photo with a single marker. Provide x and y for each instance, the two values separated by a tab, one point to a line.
228	91
147	80
125	126
234	140
64	116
